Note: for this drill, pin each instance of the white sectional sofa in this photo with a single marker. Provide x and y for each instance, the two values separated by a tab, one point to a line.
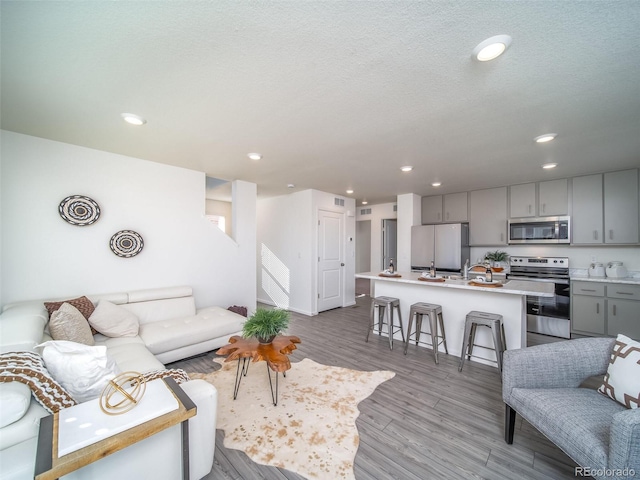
170	329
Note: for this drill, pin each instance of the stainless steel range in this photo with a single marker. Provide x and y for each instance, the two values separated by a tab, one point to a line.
548	316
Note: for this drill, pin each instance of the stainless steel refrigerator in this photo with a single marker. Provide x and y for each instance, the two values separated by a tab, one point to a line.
447	245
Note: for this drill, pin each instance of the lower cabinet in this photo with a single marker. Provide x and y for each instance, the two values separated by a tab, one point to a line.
605	309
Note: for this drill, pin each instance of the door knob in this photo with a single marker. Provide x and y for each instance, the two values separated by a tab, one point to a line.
342	264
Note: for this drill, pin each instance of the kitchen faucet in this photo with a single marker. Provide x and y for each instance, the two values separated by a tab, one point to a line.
466	269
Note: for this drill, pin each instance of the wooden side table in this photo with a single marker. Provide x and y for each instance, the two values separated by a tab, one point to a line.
50	466
275	354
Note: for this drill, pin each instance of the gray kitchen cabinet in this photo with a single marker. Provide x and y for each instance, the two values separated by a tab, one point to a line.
431	209
586	205
553	197
588	308
605	208
605	309
455	207
621	207
544	199
450	208
488	217
522	200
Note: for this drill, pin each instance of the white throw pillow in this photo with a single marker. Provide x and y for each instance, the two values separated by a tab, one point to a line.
82	370
67	323
622	380
15	398
113	320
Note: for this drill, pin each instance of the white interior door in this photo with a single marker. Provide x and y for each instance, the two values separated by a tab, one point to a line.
330	260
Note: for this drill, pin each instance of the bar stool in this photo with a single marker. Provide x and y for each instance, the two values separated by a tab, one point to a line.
491	320
435	319
386	304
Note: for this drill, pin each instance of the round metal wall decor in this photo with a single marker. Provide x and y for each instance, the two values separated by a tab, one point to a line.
126	243
79	210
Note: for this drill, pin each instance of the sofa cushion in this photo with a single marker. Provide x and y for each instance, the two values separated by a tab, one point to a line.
622	380
113	320
82	370
67	323
15	398
159	310
130	353
28	368
576	419
172	334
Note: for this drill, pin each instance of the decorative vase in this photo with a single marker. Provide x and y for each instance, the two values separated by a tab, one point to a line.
266	340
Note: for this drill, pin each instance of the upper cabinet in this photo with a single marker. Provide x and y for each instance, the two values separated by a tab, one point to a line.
450	208
621	207
488	217
431	209
543	199
605	208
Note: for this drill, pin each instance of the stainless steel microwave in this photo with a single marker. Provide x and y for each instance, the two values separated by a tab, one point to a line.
540	230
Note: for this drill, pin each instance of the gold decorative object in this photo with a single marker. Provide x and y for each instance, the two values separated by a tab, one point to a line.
122	393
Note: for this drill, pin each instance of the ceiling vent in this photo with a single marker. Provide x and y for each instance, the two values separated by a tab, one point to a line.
338	201
365	211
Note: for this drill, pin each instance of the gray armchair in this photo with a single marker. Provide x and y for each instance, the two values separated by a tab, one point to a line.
542	383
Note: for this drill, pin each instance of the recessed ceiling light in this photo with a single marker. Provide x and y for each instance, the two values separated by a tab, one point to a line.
133	119
547	166
491	48
547	137
406	168
349	192
254	156
436	184
364	202
290	185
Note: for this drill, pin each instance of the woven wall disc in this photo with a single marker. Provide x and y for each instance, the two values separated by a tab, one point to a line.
79	210
126	243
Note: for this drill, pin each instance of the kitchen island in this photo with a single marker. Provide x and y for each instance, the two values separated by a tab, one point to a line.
457	298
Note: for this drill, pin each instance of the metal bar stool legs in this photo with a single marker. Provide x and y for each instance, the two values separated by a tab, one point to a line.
491	320
436	325
386	305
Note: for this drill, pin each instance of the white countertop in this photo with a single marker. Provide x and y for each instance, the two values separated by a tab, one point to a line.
511	287
587	278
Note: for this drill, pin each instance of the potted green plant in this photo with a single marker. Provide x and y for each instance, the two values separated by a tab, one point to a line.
265	324
497	259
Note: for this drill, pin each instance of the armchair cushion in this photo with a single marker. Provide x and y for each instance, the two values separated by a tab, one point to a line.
622	381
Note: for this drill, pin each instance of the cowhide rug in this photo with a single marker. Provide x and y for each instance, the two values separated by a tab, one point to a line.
312	431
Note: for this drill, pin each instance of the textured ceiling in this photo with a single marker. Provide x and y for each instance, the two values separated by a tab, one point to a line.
335	95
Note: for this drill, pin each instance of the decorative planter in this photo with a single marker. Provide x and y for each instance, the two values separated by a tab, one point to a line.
267	340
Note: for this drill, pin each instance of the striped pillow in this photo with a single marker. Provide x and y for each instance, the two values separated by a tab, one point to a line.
29	368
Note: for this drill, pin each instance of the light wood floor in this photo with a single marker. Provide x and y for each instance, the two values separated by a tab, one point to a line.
428	422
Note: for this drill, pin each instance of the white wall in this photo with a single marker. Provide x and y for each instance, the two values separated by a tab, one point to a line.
409	214
287	249
223	209
43	256
378	213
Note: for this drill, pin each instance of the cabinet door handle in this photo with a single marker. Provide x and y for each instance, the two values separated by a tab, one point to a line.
502	237
586	290
610	234
439	215
595	234
447	215
624	293
544	207
529	208
598	307
614	308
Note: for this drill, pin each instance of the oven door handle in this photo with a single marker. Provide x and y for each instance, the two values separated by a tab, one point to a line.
561	281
